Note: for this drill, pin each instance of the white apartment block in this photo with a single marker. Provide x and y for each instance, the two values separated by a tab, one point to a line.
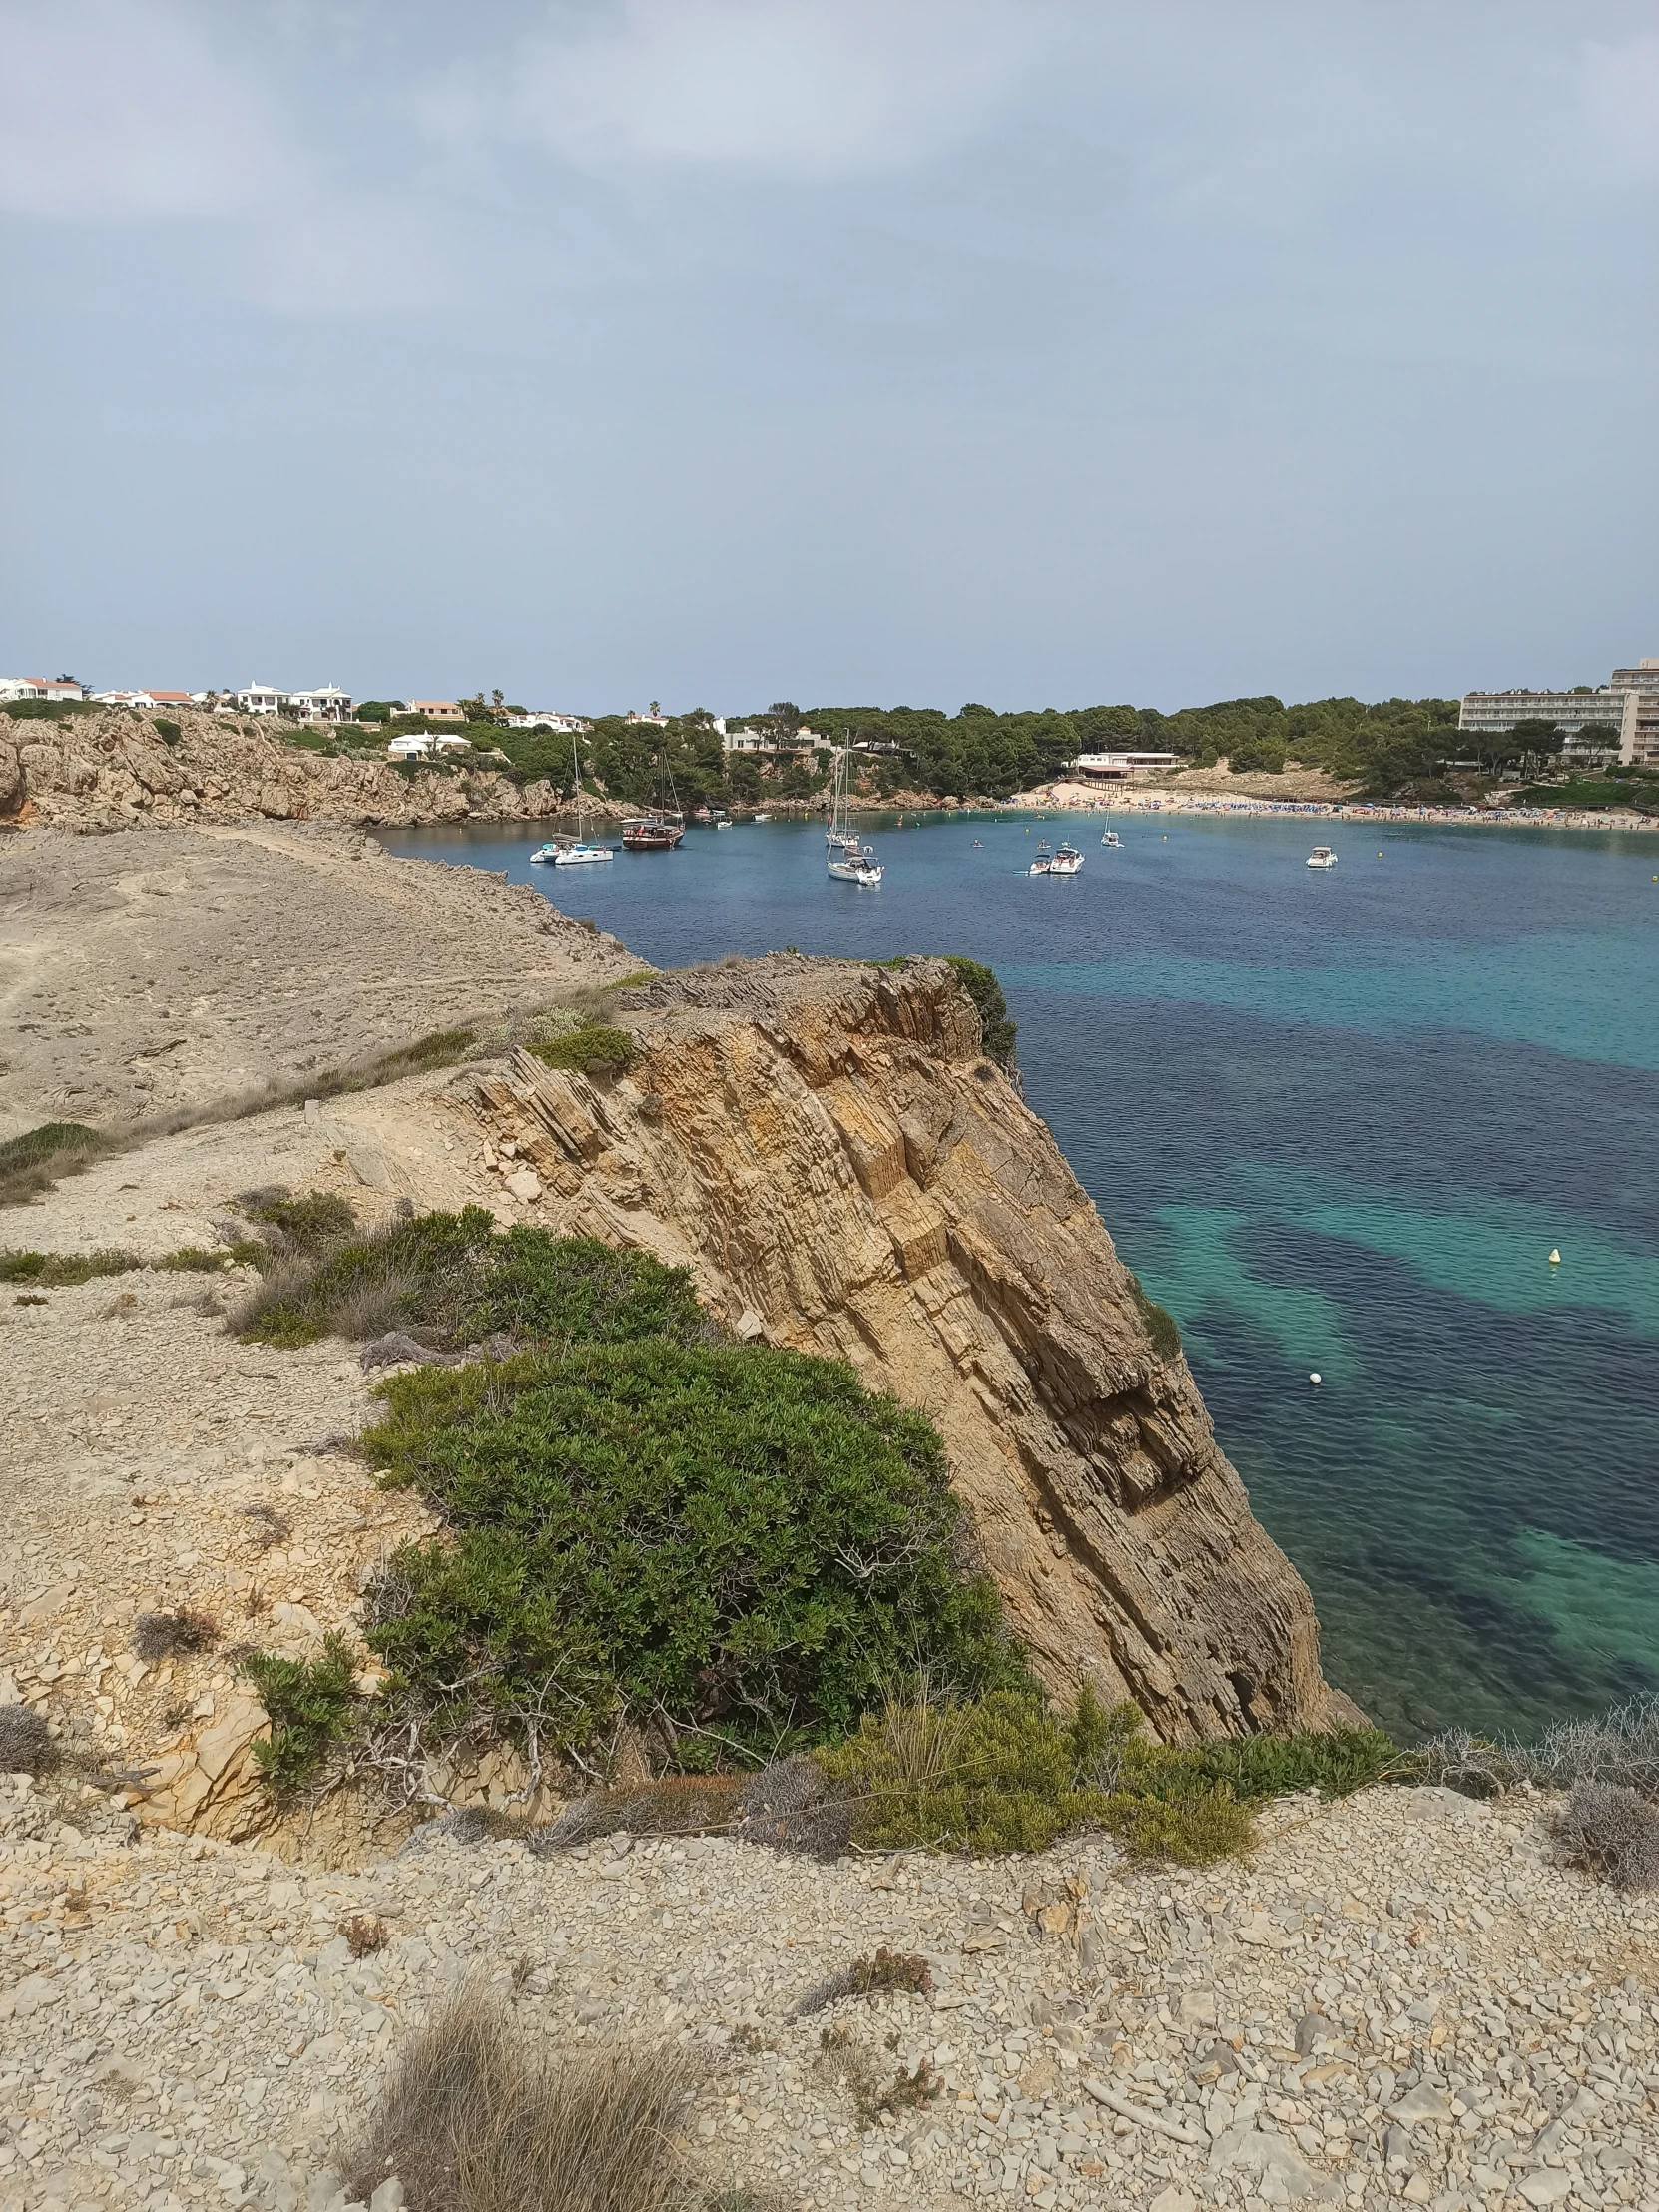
546	718
1121	767
1621	716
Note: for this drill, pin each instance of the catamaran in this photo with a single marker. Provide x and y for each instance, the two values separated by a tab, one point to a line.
575	851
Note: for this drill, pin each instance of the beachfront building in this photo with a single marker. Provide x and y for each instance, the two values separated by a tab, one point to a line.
1639	730
1592	721
1121	767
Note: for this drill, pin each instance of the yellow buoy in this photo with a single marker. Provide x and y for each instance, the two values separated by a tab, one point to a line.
1555	1258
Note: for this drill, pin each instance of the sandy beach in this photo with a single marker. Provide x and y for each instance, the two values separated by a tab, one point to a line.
1070	798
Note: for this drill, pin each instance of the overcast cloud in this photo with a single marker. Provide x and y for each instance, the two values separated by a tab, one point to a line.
1038	351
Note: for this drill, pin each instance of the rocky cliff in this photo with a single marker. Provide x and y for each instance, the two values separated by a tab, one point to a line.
118	770
824	1145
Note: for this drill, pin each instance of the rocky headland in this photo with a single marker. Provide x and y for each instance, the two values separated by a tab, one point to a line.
1404	1996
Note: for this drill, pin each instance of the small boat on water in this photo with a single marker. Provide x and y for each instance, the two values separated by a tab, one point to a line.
652	833
574	851
857	867
1111	837
1322	857
1067	860
1044	860
663	827
847	858
760	818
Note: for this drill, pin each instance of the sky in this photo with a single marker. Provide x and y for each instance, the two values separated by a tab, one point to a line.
1037	352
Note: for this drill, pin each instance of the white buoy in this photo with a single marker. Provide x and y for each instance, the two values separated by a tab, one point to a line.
1314	1379
1555	1258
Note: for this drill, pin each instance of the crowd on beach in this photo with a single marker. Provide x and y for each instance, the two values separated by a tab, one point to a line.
1092	799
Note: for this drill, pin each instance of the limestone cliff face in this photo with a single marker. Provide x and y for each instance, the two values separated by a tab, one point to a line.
116	771
825	1147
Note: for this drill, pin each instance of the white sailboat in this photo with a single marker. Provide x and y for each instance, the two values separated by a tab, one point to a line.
846	858
576	852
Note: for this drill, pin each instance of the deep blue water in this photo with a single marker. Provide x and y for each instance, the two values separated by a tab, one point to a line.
1338	1123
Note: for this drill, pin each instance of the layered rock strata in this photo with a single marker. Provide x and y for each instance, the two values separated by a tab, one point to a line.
827	1148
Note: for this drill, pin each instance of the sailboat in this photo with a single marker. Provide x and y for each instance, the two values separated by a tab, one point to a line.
661	829
837	834
575	851
1109	836
845	857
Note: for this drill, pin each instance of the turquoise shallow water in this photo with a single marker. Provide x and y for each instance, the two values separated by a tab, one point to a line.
1338	1123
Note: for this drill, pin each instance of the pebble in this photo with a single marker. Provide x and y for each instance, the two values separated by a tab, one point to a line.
182	2021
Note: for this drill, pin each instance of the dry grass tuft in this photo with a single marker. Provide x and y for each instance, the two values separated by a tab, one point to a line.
1614	1833
475	2120
26	1745
174	1635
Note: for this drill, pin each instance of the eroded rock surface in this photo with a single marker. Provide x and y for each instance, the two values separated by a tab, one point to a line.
116	770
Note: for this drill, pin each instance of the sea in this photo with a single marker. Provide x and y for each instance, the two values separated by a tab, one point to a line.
1339	1123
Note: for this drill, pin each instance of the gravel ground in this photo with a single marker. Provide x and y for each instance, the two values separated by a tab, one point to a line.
1401	2000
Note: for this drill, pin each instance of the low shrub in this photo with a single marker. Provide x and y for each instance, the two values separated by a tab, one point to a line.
194	1260
477	2118
455	1279
1157	1321
983	987
310	1224
34	1161
174	1635
1018	1775
26	1742
734	1544
1614	1833
56	1271
886	1973
592	1049
312	1707
167	729
1620	1747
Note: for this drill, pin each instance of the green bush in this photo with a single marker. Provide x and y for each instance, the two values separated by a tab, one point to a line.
1157	1321
457	1279
194	1260
169	732
739	1543
1017	1777
312	1707
56	1271
312	1222
594	1050
983	987
34	1161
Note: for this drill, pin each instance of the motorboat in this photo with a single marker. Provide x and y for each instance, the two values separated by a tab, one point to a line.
1322	857
550	851
857	867
760	818
1044	860
1067	860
